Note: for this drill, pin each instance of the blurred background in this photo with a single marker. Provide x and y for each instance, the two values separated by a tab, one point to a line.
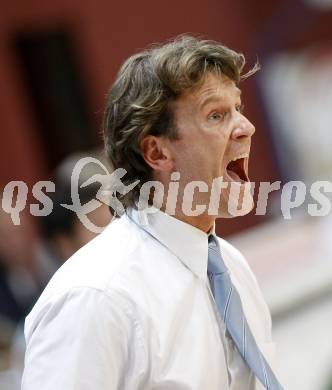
57	60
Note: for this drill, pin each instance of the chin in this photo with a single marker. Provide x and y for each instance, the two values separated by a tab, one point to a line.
237	206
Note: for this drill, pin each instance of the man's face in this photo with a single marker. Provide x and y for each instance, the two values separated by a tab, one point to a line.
212	133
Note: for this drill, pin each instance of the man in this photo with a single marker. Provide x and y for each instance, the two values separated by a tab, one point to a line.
157	301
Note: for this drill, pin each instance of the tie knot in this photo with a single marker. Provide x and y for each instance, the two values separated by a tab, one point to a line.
216	264
212	240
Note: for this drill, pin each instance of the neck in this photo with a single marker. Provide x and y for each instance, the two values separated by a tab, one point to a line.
202	222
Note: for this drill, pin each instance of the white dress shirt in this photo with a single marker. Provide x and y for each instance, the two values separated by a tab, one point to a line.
133	310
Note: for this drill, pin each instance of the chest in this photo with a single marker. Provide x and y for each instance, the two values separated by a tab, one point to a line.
189	348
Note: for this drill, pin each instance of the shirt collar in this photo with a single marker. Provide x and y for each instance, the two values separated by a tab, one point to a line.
187	242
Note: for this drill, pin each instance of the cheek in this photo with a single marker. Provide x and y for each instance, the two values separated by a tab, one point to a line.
184	150
198	152
217	148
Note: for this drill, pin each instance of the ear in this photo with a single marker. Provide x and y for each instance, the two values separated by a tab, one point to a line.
156	153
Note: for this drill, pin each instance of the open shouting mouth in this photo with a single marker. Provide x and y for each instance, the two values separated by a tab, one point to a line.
236	169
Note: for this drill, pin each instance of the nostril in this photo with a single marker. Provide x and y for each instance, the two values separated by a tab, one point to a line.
240	133
243	136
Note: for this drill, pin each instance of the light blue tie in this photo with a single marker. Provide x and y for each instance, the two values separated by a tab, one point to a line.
231	311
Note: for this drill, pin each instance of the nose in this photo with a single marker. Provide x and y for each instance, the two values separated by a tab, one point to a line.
243	129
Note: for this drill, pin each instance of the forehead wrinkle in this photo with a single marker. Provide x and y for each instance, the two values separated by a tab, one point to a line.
216	91
217	94
214	88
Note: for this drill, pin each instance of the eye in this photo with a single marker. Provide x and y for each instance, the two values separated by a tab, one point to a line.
215	116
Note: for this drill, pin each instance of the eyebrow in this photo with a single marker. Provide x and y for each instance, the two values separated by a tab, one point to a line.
215	98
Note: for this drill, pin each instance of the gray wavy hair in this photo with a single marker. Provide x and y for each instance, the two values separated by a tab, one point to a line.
138	102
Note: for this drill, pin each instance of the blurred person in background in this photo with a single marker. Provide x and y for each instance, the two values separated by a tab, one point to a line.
28	259
25	262
63	231
24	268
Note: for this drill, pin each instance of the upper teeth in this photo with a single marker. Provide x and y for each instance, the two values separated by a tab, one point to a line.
243	155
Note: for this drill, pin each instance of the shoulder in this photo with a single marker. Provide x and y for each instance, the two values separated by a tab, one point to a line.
97	263
93	270
68	328
74	304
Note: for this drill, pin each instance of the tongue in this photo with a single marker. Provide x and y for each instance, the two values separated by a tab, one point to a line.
233	175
